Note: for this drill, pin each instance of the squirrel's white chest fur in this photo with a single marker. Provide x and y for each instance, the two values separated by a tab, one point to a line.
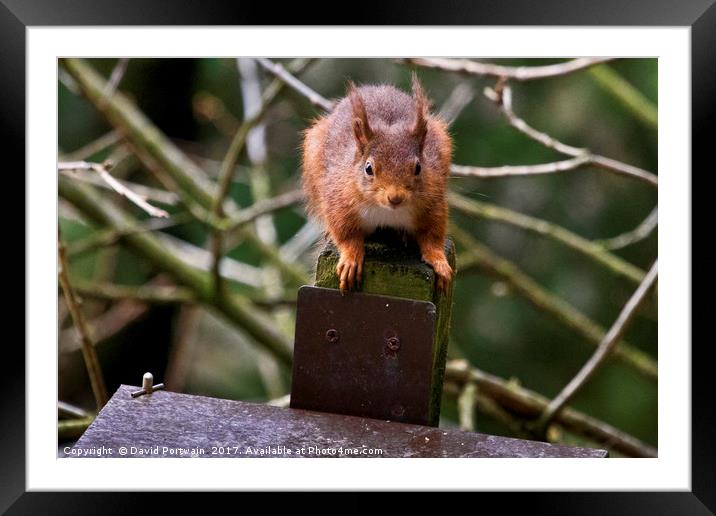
373	217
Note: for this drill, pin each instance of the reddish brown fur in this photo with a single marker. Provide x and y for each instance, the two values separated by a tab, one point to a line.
393	131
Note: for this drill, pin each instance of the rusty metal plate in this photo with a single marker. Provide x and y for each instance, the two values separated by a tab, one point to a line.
363	355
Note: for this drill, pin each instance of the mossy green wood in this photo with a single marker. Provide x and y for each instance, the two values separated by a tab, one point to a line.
393	267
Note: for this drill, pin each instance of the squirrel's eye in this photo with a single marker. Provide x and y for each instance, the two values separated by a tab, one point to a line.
368	168
417	169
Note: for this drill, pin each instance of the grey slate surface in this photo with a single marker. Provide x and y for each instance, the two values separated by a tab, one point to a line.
167	424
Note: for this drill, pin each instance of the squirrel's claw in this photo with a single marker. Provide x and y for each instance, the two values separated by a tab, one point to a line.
443	273
350	272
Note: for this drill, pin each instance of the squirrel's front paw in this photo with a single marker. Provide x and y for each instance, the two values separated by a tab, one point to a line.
350	271
443	272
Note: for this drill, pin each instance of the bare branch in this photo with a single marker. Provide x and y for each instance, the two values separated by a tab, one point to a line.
154	294
169	164
301	241
94	370
488	406
115	77
474	256
263	207
281	73
239	140
260	185
111	236
502	96
68	81
72	429
458	100
107	325
145	192
517	73
235	307
605	347
121	189
106	140
519	170
633	99
202	259
527	404
156	152
623	169
67	409
275	302
595	252
466	407
637	234
228	164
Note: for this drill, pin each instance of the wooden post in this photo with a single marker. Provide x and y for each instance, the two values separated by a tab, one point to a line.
393	268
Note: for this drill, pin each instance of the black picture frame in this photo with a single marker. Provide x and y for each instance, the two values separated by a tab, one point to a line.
700	15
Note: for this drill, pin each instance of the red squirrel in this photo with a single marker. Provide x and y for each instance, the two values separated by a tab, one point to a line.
379	159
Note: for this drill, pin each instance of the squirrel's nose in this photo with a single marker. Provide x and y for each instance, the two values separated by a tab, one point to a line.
395	200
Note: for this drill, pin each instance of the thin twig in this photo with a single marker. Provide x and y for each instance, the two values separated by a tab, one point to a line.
502	97
458	100
271	93
216	248
301	241
527	404
641	232
627	94
68	81
274	302
143	191
154	294
107	325
250	122
595	252
236	308
115	77
72	429
614	335
230	269
623	169
157	152
112	236
281	73
489	407
263	207
171	167
228	165
256	150
466	407
474	255
94	370
519	170
517	73
87	151
68	410
121	189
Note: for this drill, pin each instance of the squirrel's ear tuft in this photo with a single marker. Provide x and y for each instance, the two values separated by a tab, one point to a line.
361	128
422	109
